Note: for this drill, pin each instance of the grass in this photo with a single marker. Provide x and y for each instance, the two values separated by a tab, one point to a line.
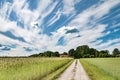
30	68
102	68
56	74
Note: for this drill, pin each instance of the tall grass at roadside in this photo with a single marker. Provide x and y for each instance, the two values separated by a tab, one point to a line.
29	68
102	68
56	73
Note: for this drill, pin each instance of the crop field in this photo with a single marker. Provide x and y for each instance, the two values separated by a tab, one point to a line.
32	68
102	68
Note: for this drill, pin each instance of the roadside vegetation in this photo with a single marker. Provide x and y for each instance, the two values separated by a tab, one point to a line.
32	68
102	68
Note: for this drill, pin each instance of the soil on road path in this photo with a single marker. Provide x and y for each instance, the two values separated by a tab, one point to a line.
74	72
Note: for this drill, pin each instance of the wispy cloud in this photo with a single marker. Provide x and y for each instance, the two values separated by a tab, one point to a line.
85	24
69	6
55	18
94	13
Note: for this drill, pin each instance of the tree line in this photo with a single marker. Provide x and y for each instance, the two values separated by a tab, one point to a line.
46	54
83	51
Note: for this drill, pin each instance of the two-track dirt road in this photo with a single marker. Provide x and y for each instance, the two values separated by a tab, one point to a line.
74	72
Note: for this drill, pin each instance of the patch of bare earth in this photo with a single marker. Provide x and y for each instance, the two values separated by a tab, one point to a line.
74	72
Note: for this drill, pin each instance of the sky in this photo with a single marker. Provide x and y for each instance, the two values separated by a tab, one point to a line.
32	26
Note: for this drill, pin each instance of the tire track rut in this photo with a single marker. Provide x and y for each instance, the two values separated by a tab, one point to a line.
74	72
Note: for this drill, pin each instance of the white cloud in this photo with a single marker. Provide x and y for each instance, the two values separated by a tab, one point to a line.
72	41
16	30
8	41
55	18
94	13
115	30
111	48
86	36
89	33
27	16
108	43
69	6
45	8
33	21
116	25
5	10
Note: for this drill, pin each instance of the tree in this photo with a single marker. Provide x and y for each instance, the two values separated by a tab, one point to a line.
85	49
82	51
56	54
116	52
41	54
93	52
104	53
34	55
71	52
48	53
78	52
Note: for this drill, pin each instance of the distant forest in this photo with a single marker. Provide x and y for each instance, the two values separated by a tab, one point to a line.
83	51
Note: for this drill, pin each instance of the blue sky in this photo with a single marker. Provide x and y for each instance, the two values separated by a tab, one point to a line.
33	26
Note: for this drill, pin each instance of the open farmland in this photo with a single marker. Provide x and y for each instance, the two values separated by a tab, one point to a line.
102	68
32	68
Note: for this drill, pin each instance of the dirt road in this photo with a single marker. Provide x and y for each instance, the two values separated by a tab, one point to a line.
74	72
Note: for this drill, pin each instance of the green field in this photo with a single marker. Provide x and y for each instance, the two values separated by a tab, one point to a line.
32	68
102	68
